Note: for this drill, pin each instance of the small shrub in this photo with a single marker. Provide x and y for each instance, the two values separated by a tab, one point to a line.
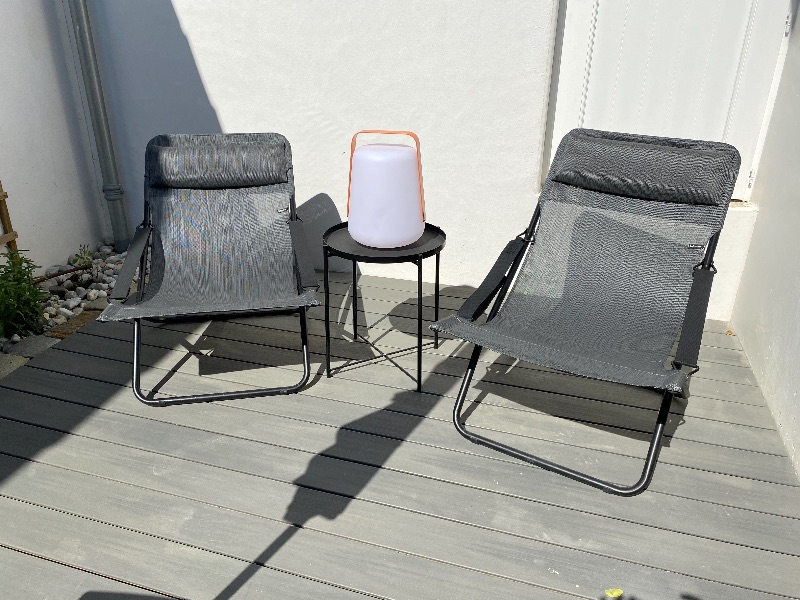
82	259
20	300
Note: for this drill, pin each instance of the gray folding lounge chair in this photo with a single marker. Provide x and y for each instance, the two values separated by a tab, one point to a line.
614	269
221	236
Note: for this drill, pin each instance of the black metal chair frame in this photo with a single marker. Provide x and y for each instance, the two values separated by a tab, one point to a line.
306	278
496	286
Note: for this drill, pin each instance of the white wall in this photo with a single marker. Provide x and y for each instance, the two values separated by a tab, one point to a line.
54	198
767	312
469	78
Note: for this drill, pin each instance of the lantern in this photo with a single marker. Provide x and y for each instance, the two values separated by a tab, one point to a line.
385	202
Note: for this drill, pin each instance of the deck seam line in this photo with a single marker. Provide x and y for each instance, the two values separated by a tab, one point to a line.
501	384
89	571
301	527
333	457
666	461
499	459
532	368
483	527
194	546
457	521
489	403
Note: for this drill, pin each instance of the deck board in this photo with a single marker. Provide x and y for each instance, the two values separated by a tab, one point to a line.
360	487
387	486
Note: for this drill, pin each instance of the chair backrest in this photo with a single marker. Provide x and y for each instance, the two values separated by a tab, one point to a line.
624	220
219	206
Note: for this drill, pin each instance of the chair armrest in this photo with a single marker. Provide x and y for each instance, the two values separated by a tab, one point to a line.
694	319
480	298
135	252
308	278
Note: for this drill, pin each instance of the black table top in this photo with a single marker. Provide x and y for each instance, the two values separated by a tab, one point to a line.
340	243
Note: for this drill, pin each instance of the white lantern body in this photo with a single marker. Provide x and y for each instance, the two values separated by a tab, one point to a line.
385	203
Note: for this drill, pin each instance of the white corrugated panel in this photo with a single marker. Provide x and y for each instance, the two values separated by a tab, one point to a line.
679	68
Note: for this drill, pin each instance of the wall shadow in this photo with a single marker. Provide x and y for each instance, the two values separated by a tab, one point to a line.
151	83
145	40
319	214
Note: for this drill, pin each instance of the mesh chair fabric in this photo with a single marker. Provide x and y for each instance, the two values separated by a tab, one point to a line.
219	250
217	160
603	289
668	170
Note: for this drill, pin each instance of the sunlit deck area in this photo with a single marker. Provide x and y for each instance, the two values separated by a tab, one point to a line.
360	487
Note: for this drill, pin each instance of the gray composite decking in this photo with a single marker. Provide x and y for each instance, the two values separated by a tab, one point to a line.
360	487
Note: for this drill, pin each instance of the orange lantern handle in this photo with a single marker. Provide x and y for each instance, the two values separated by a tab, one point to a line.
419	164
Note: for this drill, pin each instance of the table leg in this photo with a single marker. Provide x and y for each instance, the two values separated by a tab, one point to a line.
419	325
355	305
327	312
436	304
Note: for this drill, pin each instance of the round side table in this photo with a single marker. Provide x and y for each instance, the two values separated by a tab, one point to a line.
337	242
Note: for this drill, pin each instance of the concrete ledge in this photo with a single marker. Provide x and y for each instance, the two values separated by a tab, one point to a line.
10	363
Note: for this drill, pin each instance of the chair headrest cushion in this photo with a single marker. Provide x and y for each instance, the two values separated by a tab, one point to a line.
651	168
216	165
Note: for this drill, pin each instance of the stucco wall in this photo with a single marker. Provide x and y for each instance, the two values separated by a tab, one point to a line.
471	80
766	315
54	198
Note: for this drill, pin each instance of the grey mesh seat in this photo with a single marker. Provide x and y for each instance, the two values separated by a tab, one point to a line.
221	236
613	271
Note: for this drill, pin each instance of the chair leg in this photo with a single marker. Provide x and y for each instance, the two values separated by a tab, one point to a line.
141	396
606	486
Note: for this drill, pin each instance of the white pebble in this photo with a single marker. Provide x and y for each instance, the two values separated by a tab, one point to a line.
91	295
69	295
71	303
78	310
102	294
65	312
15	338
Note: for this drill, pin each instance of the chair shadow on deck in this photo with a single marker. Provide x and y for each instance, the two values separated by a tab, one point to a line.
580	405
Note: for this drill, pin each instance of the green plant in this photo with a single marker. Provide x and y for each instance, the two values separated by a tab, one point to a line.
83	258
20	300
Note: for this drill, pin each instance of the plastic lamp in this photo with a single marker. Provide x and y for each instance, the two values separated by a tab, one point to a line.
385	201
